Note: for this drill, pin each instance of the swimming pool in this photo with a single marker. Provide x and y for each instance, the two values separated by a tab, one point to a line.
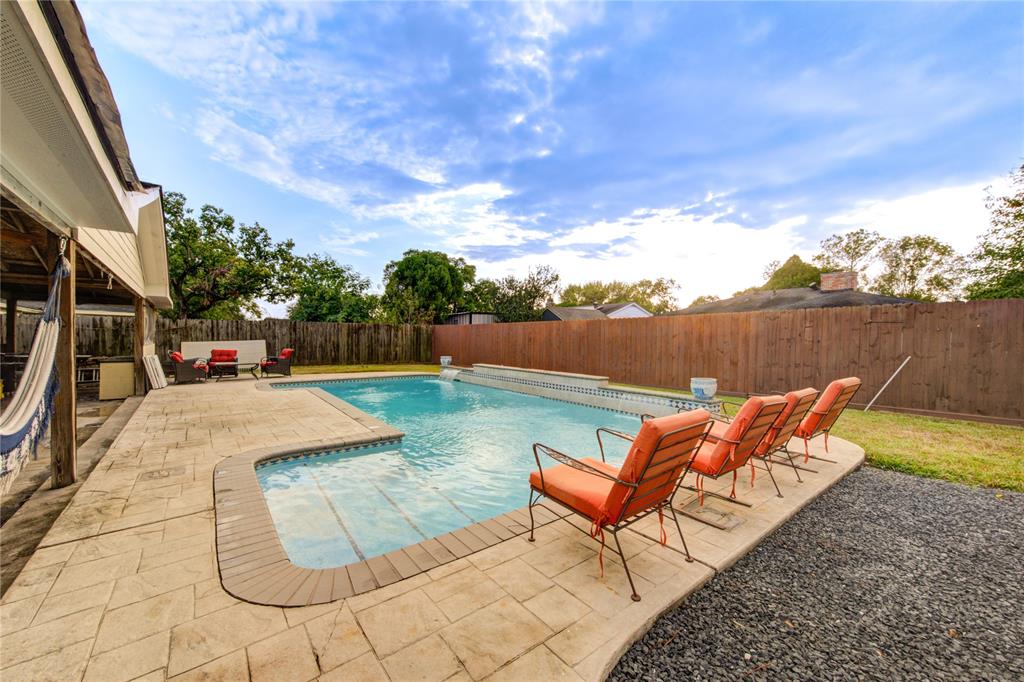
466	457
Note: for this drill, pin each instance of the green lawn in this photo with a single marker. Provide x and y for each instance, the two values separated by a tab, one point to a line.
950	449
953	450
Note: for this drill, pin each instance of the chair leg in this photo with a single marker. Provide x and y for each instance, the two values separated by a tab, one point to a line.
796	469
768	466
680	529
622	555
529	507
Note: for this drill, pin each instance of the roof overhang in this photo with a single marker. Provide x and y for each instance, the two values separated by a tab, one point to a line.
54	158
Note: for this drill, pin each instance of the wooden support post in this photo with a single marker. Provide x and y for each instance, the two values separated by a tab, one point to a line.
63	423
138	340
10	344
11	324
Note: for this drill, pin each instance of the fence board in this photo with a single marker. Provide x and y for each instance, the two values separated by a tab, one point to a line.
316	343
968	358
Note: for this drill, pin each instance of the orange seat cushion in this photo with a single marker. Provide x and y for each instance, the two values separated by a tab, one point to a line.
821	408
583	492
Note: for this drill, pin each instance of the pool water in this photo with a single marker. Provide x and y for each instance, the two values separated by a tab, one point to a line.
466	456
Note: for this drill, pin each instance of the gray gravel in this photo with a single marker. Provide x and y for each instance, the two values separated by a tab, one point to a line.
886	576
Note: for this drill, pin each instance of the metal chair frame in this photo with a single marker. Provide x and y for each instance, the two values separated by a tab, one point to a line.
828	420
668	466
763	419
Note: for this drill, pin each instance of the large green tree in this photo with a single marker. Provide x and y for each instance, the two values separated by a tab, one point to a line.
919	267
655	295
327	291
998	261
219	268
794	273
853	251
425	286
515	299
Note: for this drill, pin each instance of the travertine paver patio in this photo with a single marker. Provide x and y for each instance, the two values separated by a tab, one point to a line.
125	584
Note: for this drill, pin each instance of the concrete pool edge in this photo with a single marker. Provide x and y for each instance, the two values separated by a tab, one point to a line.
254	567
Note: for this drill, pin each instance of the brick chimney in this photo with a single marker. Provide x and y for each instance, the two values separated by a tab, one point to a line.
838	281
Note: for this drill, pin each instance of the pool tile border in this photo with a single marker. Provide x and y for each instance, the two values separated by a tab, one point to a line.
255	568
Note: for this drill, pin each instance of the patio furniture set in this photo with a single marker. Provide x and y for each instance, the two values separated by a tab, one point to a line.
223	362
666	449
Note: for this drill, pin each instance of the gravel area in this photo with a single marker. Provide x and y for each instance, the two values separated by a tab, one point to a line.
886	576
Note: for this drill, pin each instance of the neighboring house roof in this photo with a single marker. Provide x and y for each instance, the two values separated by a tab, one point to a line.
609	308
571	313
791	299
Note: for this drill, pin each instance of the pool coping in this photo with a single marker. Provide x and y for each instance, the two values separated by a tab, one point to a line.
254	566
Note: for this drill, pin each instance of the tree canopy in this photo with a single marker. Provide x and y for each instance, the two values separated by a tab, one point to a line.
795	272
514	299
998	260
425	287
218	269
327	291
853	251
919	267
655	295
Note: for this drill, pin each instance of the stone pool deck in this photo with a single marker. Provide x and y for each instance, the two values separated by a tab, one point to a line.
126	586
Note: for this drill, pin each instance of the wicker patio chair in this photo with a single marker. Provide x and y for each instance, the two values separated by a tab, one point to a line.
280	364
825	412
186	371
613	498
224	362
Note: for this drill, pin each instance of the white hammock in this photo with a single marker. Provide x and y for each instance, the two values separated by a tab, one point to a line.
24	422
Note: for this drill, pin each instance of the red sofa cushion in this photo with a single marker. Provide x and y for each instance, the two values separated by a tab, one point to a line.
177	357
223	355
287	353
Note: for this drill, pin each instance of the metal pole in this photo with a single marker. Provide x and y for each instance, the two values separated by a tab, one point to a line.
886	385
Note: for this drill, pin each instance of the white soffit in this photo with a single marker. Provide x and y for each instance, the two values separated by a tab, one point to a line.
51	154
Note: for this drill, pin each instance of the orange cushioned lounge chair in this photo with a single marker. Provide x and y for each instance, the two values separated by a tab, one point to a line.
732	449
775	441
826	411
612	498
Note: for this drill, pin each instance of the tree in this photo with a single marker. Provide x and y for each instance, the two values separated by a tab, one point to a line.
853	251
792	274
219	269
514	299
920	268
701	300
425	286
655	295
998	267
330	292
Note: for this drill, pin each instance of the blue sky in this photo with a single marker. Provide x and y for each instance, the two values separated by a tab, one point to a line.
692	141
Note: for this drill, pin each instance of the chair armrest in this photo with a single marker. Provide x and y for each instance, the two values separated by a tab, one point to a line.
612	432
571	462
645	416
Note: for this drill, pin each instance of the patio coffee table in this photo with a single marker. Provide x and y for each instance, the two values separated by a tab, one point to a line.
250	367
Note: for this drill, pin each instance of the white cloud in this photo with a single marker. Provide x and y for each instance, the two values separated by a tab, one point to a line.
463	218
705	254
954	214
343	241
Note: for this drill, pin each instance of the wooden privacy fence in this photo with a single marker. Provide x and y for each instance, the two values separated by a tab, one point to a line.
316	343
968	358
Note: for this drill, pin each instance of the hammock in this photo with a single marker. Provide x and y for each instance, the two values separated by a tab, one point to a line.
23	424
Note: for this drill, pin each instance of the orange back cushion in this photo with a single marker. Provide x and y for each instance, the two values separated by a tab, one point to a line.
748	427
787	422
668	462
825	411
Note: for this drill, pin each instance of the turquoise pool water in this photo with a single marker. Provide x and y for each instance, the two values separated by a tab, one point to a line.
466	456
